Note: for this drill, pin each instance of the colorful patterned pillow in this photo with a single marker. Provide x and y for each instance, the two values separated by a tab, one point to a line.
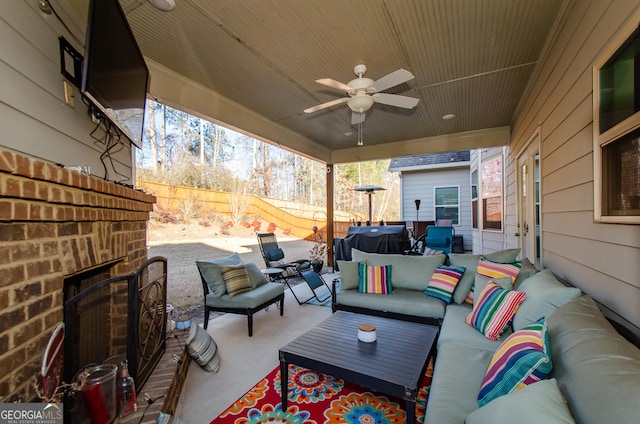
235	279
443	282
203	349
523	358
498	270
374	279
493	310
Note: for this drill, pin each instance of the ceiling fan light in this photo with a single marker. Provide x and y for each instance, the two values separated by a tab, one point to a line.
164	5
360	102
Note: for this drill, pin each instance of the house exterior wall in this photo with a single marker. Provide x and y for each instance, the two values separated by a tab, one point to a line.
485	241
601	259
34	119
420	185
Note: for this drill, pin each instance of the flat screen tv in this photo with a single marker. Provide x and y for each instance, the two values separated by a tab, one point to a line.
114	74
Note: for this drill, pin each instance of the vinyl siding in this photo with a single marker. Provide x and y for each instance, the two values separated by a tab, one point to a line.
601	259
420	185
33	117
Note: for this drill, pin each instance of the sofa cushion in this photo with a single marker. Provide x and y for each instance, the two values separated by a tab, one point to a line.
455	330
541	402
526	270
545	294
493	310
236	279
212	275
457	375
470	262
203	349
522	359
409	272
349	277
597	369
443	282
248	299
374	279
401	301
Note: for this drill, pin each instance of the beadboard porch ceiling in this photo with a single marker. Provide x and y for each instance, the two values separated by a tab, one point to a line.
470	58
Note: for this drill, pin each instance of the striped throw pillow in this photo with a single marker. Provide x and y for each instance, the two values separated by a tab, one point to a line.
443	282
203	349
496	270
236	279
374	279
523	358
494	310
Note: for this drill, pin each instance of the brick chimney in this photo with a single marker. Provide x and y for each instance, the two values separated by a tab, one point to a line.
55	223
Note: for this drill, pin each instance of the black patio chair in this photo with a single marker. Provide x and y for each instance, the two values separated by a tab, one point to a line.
274	256
314	281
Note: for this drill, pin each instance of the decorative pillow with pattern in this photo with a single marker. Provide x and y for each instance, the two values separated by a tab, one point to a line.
236	279
374	279
494	270
203	349
494	309
523	358
443	282
498	270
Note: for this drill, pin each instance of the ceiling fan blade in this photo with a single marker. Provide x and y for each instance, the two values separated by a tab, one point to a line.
395	100
326	105
391	80
357	117
334	84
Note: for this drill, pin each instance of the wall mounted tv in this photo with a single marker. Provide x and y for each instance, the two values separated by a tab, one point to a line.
114	74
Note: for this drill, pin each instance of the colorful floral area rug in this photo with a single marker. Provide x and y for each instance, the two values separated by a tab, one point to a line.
316	398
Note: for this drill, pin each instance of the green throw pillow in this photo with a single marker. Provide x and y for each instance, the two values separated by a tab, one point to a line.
349	277
210	271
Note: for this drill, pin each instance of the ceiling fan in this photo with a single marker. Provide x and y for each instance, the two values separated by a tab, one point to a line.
364	92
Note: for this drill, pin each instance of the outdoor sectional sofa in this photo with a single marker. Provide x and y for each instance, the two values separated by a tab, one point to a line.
594	371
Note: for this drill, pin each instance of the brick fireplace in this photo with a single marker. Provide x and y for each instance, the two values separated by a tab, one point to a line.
55	224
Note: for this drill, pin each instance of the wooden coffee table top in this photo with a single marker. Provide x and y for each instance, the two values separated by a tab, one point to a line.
394	364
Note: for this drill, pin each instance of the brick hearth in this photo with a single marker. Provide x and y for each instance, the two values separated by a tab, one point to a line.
55	223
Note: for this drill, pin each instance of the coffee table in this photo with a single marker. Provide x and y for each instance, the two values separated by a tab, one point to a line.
394	364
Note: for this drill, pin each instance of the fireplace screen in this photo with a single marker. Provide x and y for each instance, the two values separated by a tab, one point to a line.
122	316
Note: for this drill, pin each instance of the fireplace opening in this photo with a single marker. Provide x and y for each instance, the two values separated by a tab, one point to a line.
96	310
122	316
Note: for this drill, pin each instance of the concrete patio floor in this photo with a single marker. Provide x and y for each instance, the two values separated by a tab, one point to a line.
244	360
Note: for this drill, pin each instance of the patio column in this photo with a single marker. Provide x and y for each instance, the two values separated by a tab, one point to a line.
330	207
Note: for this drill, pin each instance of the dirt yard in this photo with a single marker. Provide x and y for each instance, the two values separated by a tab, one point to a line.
184	244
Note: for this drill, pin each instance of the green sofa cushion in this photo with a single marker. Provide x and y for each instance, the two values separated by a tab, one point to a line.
545	294
408	272
537	403
401	301
457	376
455	330
597	369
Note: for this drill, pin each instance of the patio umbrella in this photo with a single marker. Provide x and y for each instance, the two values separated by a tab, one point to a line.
369	189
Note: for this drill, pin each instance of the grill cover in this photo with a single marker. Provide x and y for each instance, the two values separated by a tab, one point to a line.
373	239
